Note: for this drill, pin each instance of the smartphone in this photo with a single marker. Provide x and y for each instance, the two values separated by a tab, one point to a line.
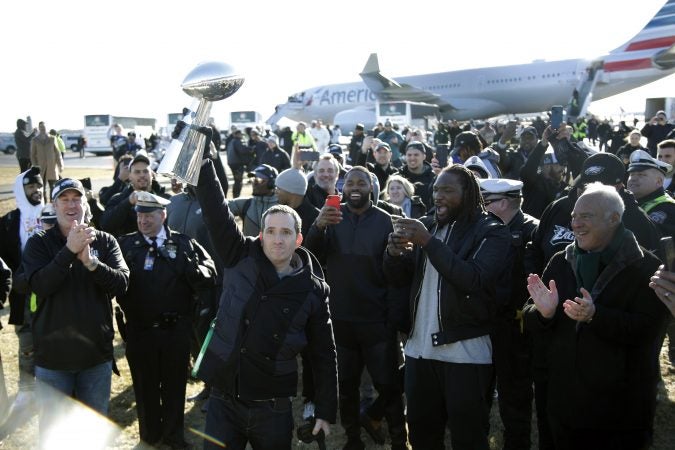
309	155
442	151
556	116
334	201
86	183
668	253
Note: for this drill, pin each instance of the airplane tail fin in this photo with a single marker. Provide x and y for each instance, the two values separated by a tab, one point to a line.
658	34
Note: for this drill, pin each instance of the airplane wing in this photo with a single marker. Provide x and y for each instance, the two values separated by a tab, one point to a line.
387	89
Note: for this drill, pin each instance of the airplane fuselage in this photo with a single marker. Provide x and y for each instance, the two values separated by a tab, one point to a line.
479	93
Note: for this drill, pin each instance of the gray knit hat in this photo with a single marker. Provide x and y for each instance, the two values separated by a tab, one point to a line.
293	181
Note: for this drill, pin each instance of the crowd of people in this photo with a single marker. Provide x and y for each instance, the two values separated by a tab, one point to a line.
416	275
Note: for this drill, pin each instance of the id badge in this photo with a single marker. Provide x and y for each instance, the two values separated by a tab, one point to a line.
149	261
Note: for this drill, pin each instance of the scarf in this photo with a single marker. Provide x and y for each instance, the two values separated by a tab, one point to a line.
589	265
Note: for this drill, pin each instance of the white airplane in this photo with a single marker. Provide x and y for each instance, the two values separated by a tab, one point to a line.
493	91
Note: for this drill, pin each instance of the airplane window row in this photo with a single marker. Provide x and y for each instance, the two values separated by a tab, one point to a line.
443	86
531	77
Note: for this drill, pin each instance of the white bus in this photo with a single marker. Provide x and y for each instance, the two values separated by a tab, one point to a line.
98	127
402	113
246	119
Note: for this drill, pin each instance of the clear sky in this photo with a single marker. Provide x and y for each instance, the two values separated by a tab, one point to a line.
63	59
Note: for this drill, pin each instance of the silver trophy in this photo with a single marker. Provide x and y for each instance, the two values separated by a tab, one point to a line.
207	83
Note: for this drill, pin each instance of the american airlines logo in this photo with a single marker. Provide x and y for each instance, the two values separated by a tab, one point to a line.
346	96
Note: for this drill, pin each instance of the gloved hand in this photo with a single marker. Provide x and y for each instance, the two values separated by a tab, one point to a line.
206	131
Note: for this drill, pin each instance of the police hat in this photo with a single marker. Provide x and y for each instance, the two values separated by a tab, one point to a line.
641	160
48	214
501	186
147	202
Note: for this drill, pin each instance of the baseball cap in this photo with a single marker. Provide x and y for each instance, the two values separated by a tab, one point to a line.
606	168
531	130
475	163
382	145
32	175
335	149
66	184
141	156
264	171
148	202
466	139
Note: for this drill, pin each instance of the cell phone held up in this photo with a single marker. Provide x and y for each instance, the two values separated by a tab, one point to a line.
309	155
556	116
667	248
333	201
442	152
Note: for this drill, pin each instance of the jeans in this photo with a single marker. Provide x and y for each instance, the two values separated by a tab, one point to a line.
267	425
89	386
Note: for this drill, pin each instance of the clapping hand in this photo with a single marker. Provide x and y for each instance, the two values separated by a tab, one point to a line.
545	299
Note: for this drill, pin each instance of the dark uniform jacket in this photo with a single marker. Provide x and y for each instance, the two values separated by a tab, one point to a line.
522	228
554	232
180	268
72	327
264	322
470	263
602	374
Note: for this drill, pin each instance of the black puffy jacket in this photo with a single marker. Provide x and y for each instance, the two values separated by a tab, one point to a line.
263	322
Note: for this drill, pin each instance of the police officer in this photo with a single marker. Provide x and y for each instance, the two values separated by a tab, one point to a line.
511	344
645	180
167	268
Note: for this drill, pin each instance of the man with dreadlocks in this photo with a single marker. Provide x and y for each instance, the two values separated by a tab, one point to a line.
455	262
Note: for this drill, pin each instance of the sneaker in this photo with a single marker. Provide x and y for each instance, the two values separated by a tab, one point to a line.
373	428
308	412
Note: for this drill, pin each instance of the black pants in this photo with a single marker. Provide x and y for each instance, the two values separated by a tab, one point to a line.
512	356
238	175
158	360
24	164
579	439
374	346
440	393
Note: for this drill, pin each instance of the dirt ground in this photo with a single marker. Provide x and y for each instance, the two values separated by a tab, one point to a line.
83	429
